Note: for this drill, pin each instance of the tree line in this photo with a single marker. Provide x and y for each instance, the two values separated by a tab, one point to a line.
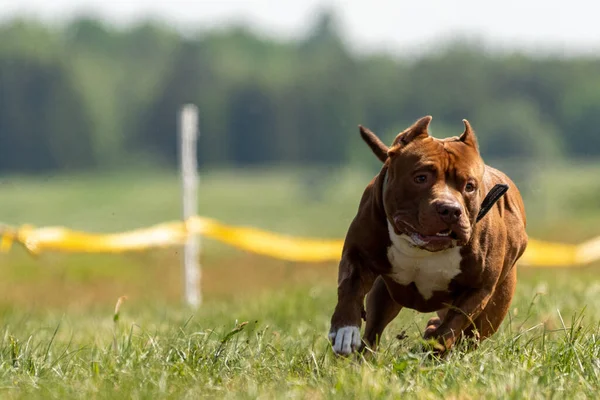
90	96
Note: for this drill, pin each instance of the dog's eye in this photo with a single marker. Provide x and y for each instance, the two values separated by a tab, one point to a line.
469	187
420	179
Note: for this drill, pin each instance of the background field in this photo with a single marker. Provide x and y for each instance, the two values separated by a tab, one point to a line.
57	310
286	201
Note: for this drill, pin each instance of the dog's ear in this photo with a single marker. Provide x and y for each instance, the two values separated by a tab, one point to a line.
376	145
418	129
468	137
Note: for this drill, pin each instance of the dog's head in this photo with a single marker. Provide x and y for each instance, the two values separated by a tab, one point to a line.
432	188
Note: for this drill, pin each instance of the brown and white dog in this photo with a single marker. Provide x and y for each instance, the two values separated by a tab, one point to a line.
417	242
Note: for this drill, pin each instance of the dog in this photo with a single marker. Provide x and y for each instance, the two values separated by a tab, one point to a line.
426	237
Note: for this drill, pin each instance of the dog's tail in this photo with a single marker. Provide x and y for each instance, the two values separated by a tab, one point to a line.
376	145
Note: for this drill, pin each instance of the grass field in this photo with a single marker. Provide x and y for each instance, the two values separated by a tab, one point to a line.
58	338
548	348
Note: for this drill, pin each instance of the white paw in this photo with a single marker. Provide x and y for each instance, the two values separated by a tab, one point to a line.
345	340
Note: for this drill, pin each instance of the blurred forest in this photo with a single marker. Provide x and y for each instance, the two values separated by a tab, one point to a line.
90	96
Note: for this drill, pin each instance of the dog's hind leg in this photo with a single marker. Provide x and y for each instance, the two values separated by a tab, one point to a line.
381	310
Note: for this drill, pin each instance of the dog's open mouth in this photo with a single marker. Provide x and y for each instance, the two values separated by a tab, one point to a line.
444	234
442	239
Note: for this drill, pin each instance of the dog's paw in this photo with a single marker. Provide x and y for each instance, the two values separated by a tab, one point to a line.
345	340
431	328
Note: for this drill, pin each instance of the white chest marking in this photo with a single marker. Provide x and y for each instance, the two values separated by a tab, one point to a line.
429	271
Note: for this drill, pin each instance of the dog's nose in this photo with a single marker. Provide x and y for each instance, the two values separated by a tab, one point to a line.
449	212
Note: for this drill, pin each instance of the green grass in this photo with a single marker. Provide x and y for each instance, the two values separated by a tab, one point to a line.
548	347
56	311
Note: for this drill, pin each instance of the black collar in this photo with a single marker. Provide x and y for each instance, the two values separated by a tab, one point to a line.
488	202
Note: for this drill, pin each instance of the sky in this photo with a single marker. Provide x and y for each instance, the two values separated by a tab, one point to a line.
547	26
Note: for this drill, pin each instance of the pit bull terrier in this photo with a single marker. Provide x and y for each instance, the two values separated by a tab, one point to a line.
421	239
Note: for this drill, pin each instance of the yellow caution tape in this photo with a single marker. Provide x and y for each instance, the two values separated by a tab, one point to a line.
37	240
6	239
271	244
170	234
548	254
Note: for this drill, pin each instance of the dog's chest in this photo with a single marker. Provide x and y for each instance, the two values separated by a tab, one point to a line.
430	272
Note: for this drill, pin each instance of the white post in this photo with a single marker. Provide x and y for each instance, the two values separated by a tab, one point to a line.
188	127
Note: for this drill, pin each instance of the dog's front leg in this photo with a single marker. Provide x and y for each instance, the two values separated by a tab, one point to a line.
354	282
459	316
